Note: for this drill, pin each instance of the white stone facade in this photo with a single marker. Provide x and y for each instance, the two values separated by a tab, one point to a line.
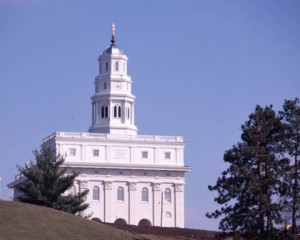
132	179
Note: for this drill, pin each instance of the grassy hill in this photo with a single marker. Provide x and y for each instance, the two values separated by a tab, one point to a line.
29	222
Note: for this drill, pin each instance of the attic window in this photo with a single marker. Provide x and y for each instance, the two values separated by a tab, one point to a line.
96	152
144	154
72	152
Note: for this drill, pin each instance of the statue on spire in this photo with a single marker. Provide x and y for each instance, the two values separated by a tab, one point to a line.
113	29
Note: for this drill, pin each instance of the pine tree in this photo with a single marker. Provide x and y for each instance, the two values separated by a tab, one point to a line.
248	188
291	146
47	183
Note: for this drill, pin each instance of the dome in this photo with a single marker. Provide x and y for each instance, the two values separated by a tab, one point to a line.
112	50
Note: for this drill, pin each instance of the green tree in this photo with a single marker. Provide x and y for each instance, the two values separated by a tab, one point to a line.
47	183
249	188
291	146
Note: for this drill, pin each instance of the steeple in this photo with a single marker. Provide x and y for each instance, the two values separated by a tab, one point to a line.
113	103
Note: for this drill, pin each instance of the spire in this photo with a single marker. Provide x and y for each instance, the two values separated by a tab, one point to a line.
113	29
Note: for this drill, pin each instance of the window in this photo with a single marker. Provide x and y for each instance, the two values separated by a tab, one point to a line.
72	190
106	111
117	66
72	152
168	215
96	152
128	113
124	67
145	174
120	194
144	154
106	66
96	193
168	196
102	111
104	85
167	155
145	195
117	111
100	68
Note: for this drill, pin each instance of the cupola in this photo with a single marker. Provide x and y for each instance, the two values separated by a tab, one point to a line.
113	103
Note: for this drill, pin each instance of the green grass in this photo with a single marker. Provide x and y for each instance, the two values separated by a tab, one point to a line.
19	221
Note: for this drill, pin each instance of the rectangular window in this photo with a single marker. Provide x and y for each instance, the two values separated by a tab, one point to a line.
72	152
96	152
106	66
167	155
117	66
104	85
144	154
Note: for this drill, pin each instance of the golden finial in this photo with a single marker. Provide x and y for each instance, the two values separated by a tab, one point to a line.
113	29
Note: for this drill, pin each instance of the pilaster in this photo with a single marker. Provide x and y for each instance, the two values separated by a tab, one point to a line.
157	204
108	202
179	205
132	203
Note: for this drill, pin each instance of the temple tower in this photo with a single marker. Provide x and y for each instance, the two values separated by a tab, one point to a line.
113	103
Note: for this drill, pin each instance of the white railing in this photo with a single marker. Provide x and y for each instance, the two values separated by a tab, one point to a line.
101	136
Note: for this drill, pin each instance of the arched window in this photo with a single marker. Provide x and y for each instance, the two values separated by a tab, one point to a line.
102	112
115	111
168	196
119	111
144	223
96	193
145	194
120	194
106	111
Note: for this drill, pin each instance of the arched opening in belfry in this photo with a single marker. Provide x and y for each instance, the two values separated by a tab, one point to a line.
98	220
144	223
120	221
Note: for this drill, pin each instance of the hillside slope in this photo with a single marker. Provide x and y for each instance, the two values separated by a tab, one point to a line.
29	222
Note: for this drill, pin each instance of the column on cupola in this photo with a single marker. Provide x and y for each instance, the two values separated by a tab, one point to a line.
157	205
108	202
179	205
132	203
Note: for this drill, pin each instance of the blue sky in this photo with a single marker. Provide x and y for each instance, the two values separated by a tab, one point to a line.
199	68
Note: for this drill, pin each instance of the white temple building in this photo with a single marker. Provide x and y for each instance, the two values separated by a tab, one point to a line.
133	179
